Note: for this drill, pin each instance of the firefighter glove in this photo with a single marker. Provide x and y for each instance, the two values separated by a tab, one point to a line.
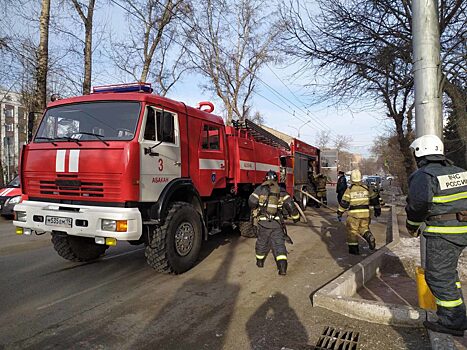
377	212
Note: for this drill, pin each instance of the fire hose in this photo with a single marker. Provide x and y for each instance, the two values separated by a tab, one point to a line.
318	201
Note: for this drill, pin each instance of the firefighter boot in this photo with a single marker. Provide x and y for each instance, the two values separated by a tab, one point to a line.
440	328
260	262
282	267
353	249
368	236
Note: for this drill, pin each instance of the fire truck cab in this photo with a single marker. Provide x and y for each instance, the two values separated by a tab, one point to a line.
125	164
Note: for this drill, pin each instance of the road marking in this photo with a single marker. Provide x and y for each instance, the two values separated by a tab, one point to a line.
121	254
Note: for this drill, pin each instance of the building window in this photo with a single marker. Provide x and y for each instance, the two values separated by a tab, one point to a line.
9	127
8	111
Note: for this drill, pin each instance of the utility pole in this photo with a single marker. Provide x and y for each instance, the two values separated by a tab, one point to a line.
426	61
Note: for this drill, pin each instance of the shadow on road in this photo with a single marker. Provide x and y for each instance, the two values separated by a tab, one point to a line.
199	313
275	325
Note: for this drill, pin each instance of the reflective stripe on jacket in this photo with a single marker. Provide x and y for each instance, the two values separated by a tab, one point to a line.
436	189
357	200
267	209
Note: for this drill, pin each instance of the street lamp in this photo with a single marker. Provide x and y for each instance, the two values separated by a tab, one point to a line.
299	128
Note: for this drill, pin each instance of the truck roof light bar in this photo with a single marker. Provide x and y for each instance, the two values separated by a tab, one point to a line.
261	135
130	87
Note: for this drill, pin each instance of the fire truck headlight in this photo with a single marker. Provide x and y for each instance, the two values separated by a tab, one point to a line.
114	225
14	200
109	225
20	216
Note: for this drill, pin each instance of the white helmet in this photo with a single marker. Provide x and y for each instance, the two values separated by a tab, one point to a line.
426	145
356	176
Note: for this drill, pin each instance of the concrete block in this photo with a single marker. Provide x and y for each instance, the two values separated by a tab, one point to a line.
337	295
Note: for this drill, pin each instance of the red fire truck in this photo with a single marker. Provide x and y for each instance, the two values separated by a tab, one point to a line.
123	164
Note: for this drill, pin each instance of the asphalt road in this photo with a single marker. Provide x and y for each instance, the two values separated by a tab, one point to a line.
224	302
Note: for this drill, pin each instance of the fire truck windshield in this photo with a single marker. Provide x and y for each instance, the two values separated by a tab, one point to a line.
89	122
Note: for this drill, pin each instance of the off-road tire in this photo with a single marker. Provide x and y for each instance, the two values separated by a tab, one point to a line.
247	229
160	250
76	248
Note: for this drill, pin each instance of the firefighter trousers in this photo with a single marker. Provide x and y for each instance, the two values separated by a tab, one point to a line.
270	237
322	196
356	227
442	277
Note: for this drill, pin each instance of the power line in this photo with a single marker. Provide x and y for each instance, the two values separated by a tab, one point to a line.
285	85
247	69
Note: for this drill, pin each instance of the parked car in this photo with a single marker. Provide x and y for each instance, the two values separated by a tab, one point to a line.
374	182
10	195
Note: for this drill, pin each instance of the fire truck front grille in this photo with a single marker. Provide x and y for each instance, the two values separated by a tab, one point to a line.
98	187
80	189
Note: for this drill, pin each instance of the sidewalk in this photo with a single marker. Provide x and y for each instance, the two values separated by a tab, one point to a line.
382	288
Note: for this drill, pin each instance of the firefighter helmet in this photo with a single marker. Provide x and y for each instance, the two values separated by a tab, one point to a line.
271	175
426	145
356	176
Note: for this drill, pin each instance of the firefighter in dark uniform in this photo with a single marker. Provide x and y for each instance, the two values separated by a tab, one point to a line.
341	186
438	197
267	200
321	194
357	200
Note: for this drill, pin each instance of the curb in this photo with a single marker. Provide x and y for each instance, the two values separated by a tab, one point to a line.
337	294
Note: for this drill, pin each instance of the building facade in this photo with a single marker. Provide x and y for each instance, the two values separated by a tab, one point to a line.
13	133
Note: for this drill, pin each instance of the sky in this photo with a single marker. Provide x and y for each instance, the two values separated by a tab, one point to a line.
279	100
362	126
275	87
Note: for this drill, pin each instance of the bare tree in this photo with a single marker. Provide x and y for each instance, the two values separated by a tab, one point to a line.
87	20
385	150
342	142
364	48
323	138
257	118
154	49
233	41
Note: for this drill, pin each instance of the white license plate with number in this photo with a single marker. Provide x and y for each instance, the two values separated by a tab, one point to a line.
58	221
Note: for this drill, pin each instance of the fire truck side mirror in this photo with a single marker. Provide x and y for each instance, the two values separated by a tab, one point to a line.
148	150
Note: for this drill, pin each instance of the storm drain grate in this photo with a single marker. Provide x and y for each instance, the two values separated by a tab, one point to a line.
335	339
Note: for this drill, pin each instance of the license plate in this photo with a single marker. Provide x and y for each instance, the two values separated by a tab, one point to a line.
58	221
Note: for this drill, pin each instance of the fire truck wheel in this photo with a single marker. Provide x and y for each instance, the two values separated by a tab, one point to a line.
77	248
174	247
247	229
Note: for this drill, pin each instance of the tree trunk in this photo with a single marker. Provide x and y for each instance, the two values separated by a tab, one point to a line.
87	60
408	158
88	49
459	102
40	101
